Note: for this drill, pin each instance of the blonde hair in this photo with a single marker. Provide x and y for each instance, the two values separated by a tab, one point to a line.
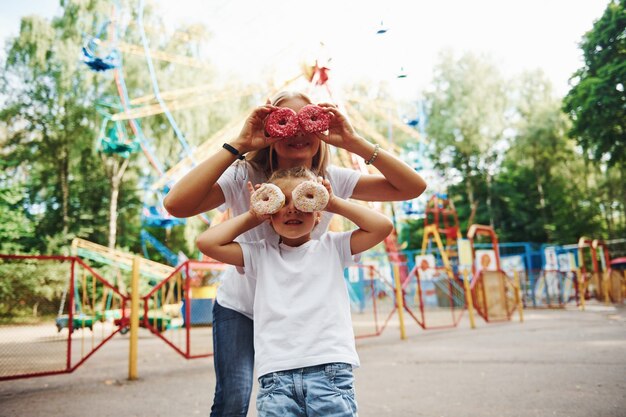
289	173
265	160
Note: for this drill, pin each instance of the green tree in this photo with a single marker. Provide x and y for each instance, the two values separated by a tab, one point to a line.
50	120
16	226
597	101
48	116
542	194
31	288
596	104
466	112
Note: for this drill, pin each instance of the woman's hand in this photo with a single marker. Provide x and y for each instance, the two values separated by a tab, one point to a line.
340	132
252	136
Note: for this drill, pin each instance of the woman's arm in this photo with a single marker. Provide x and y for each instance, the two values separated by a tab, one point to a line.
198	191
218	242
373	226
398	180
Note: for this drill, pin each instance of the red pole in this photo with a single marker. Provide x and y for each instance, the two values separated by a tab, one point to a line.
371	274
450	289
70	323
421	296
482	289
187	309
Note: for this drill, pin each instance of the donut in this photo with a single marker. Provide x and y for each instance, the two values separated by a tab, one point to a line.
313	119
267	199
282	123
310	196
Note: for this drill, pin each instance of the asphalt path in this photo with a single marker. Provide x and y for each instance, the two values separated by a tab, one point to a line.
557	363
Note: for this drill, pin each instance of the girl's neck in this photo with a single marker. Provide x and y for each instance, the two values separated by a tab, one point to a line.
294	243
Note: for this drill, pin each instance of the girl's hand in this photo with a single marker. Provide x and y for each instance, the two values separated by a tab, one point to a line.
252	136
260	217
340	132
331	197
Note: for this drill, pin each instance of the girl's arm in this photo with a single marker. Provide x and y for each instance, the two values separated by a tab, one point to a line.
398	180
218	242
198	191
373	226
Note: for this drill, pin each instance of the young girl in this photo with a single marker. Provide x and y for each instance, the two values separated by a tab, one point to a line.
303	338
218	182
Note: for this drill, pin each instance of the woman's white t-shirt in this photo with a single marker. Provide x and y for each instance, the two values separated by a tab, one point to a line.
236	291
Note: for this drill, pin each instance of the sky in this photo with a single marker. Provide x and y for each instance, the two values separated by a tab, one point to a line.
253	38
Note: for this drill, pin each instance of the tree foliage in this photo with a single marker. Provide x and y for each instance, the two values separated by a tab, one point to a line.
49	124
533	183
597	102
466	110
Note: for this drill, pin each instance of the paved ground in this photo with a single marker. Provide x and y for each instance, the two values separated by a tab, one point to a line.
557	363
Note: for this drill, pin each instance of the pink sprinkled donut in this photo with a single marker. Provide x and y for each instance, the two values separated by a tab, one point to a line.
309	196
282	123
267	199
313	119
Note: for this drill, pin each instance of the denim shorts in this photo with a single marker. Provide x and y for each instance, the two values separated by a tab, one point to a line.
322	390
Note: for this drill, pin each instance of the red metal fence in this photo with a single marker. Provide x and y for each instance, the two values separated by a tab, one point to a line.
372	300
66	311
433	298
184	326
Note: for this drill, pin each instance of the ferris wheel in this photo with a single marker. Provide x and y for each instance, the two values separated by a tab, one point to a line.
123	117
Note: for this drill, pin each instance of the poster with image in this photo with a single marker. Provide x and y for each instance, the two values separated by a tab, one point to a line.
485	260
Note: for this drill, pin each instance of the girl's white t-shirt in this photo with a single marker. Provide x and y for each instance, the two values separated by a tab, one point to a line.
236	291
302	308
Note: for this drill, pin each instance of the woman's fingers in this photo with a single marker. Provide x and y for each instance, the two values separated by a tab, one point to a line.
321	136
264	111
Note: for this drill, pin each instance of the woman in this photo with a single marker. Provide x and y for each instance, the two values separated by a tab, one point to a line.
217	182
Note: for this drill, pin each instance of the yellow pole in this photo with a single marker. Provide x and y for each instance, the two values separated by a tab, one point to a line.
134	320
399	299
518	296
606	282
468	299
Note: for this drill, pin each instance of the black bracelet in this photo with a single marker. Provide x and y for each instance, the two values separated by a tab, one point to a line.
233	150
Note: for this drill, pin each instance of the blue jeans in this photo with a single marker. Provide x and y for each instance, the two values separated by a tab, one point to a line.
323	390
233	359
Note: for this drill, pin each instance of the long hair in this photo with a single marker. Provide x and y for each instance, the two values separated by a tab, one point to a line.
265	160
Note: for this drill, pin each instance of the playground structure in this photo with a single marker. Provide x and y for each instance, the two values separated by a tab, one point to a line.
445	268
85	320
548	276
495	295
602	281
437	286
93	310
155	275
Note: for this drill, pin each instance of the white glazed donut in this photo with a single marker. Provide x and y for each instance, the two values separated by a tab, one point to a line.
267	199
310	196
